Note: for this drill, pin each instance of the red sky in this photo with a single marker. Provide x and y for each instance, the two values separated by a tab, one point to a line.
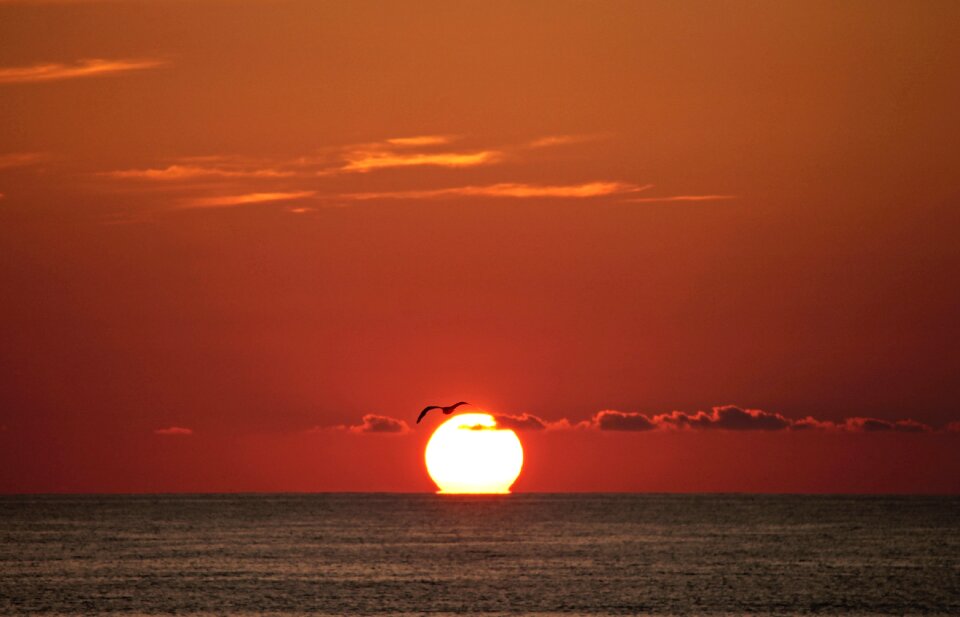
231	230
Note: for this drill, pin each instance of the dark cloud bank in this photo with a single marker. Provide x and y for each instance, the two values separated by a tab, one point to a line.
373	423
733	418
726	417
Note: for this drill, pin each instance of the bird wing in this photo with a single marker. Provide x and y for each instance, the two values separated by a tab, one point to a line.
450	409
424	412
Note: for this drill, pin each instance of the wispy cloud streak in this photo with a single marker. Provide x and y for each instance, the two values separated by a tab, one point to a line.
21	159
419	141
225	201
399	152
187	172
681	198
251	177
173	431
93	67
364	161
509	189
551	141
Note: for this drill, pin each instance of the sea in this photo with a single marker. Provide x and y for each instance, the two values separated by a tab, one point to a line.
519	554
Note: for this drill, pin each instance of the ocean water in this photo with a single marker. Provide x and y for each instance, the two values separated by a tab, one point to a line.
342	554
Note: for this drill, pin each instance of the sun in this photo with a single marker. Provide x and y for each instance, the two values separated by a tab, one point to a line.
469	454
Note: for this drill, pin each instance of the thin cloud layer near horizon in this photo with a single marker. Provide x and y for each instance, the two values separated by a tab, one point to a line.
243	243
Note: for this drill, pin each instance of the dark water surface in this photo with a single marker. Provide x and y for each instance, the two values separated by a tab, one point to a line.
513	554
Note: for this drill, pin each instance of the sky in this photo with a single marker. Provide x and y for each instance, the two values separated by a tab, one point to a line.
678	247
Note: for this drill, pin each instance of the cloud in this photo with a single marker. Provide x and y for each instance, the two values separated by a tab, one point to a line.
364	161
21	159
733	418
619	421
722	418
226	201
421	140
416	151
93	67
522	422
680	198
551	141
514	190
528	422
872	425
173	431
811	423
728	417
373	423
186	172
394	152
953	427
251	177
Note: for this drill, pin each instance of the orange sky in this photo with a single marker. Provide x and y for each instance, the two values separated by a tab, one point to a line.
257	222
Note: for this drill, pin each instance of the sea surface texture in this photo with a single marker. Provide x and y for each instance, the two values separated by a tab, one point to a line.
509	554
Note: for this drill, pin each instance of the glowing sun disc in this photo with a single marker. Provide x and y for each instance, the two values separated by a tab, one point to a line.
469	454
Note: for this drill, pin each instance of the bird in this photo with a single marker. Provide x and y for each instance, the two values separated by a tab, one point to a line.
446	410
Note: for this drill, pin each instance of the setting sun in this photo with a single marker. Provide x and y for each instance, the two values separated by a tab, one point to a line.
469	454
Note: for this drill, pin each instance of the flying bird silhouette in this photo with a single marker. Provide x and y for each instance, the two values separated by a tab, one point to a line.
446	410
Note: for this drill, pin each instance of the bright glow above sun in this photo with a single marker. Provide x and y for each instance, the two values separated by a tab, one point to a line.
469	454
